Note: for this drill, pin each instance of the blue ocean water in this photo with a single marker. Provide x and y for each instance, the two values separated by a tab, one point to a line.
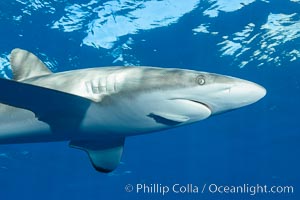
257	40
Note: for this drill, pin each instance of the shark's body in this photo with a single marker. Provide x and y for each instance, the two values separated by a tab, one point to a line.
97	108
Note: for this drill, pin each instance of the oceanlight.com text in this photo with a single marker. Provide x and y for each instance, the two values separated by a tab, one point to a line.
248	189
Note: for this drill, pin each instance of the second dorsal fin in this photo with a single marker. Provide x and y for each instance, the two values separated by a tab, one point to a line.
26	65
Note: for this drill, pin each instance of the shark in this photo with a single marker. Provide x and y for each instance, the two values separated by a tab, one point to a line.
95	109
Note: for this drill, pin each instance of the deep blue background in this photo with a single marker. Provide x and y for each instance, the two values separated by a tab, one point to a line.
258	144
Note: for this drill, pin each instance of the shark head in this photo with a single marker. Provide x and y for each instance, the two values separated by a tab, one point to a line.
177	96
219	93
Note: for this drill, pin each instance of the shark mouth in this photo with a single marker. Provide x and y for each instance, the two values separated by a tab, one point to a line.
187	111
167	119
193	101
199	102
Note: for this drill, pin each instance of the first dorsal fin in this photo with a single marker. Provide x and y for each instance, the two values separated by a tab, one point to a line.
26	65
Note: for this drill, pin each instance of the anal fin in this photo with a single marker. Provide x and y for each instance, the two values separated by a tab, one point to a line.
104	154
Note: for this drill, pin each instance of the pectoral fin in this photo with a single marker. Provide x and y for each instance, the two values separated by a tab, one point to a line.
50	106
105	155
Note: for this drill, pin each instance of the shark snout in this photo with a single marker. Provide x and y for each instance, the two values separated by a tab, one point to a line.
235	94
247	93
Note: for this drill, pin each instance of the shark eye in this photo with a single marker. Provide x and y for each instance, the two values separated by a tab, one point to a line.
200	80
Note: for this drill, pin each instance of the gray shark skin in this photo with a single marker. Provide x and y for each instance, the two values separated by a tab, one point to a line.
97	108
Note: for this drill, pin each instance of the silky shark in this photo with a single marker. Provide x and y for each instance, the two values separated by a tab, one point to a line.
97	108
